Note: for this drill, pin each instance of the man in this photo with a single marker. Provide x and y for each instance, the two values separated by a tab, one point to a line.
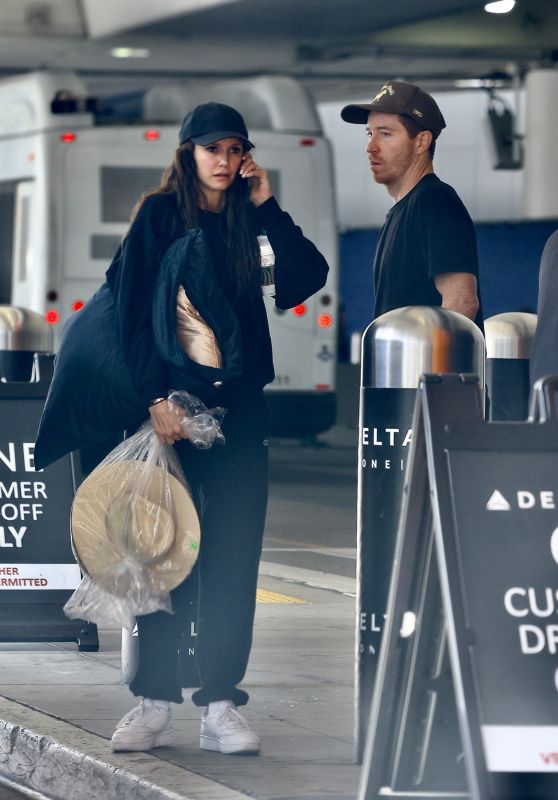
427	253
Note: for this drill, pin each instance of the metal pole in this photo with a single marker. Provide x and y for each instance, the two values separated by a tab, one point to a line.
129	655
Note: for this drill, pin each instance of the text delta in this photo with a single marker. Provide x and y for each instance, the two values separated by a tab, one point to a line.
386	437
531	500
524	500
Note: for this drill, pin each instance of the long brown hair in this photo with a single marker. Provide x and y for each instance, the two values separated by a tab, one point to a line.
180	179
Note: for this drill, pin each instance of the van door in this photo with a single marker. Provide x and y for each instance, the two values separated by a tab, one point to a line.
304	352
105	173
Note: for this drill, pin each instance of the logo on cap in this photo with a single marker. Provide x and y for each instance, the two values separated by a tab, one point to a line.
386	89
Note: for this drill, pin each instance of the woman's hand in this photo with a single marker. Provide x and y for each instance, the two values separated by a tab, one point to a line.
260	189
165	420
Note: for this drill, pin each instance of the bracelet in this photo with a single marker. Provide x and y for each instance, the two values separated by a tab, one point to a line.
157	400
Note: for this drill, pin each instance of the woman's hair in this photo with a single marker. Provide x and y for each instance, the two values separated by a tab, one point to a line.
180	179
413	129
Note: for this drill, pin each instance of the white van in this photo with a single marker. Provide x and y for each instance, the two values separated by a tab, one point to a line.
68	184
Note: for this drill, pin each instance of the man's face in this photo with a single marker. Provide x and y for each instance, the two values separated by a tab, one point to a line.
391	152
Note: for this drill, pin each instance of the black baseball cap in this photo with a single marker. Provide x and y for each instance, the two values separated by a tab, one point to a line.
210	122
399	97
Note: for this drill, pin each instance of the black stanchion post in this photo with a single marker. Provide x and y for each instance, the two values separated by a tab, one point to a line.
396	349
22	334
509	338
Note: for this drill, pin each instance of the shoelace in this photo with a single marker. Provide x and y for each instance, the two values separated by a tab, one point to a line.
232	719
138	713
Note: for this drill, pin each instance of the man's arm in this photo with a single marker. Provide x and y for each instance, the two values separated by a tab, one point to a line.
459	292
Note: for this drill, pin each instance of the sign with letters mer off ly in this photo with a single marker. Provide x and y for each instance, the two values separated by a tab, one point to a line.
38	572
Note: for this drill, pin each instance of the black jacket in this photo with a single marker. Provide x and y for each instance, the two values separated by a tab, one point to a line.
120	351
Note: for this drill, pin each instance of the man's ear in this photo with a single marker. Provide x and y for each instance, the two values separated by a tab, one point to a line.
423	141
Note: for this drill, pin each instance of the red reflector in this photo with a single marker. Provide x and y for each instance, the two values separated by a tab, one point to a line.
77	304
68	136
152	136
322	387
307	142
52	316
299	311
325	321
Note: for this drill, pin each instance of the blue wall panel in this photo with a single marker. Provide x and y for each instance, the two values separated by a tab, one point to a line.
356	254
509	257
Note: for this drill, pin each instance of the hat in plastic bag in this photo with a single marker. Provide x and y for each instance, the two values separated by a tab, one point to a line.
131	518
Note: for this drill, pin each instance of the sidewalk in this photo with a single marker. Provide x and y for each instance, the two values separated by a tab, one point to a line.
58	708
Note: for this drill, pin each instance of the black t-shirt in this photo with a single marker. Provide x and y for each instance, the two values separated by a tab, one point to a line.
426	233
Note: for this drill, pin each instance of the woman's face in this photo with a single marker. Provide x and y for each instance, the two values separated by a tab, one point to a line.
217	165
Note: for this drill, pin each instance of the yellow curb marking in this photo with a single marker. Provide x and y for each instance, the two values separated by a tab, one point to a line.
263	596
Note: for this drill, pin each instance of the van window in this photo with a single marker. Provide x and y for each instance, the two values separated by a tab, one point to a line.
7	195
121	188
103	247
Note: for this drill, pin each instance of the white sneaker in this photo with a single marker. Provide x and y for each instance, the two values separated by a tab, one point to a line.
144	727
224	729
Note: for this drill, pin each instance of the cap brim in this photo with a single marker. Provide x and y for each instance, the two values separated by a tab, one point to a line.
214	136
356	114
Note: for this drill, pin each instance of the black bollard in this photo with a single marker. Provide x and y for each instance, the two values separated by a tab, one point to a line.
397	348
22	334
509	338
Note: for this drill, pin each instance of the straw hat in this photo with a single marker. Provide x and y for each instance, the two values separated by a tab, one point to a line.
134	522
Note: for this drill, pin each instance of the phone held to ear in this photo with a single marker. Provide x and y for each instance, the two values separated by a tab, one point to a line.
247	186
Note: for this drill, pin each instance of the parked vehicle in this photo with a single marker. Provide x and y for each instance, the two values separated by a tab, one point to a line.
71	170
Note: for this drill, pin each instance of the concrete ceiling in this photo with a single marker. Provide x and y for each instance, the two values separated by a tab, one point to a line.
339	48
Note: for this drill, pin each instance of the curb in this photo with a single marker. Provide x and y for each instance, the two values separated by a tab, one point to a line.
50	768
59	761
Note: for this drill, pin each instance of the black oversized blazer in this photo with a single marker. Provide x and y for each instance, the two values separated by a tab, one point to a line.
107	368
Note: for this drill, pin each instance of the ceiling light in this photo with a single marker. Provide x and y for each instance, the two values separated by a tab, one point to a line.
130	52
469	83
500	7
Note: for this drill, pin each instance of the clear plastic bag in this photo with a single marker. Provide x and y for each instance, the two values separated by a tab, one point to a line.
135	530
203	425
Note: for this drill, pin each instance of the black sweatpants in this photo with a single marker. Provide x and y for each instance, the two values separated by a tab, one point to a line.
229	486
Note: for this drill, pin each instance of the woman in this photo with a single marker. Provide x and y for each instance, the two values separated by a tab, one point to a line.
214	185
